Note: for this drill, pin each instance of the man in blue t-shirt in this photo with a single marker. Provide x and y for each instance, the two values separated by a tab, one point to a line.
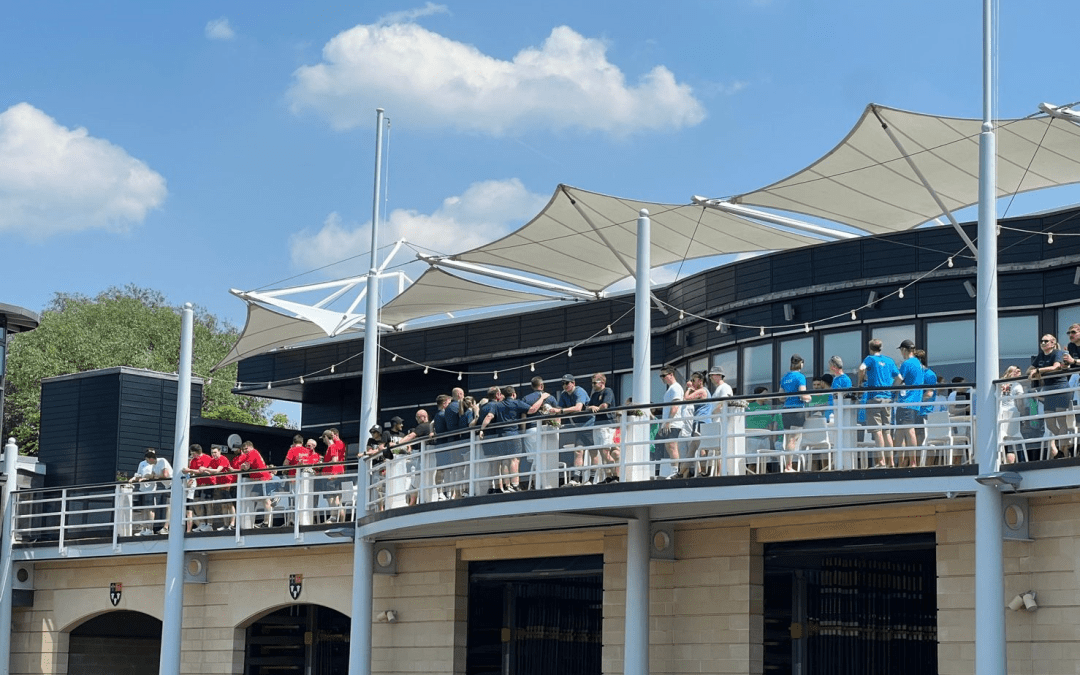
840	379
573	399
879	371
794	417
910	400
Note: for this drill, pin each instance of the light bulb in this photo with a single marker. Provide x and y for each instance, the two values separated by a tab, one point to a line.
459	377
609	329
301	379
496	375
762	331
806	328
950	261
426	368
1050	238
682	315
853	317
331	369
532	367
901	292
394	358
719	325
570	352
268	385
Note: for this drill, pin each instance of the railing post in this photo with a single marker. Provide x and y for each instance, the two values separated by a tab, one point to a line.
63	518
11	478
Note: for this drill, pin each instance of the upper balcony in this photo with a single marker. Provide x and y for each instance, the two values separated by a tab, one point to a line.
738	456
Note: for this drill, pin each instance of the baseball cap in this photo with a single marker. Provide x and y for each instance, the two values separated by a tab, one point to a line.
568	378
907	344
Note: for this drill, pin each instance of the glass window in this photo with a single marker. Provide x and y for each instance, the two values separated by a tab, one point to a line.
758	367
626	386
700	364
804	347
1066	316
892	336
848	346
950	349
729	361
1018	338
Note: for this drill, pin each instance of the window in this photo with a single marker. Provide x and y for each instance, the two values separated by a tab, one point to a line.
892	336
758	367
804	347
849	346
626	386
1018	338
699	364
1066	316
729	361
950	349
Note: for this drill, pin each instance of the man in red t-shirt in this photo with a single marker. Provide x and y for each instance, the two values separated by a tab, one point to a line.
334	466
220	470
301	454
251	460
197	466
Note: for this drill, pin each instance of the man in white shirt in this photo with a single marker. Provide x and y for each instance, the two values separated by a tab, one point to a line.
674	430
150	476
720	389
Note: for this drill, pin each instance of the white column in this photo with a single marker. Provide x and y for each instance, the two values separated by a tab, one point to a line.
636	627
173	617
638	453
11	478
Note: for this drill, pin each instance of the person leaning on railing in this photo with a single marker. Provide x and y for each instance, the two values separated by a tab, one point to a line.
1045	373
1010	406
152	471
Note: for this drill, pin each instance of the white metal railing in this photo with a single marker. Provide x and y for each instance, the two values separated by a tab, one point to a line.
739	436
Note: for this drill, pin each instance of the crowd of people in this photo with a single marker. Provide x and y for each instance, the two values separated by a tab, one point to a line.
210	483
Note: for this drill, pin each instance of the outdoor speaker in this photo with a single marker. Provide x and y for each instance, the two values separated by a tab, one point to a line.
22	578
385	558
662	542
195	568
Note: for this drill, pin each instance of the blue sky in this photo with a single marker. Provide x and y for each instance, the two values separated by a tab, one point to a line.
193	147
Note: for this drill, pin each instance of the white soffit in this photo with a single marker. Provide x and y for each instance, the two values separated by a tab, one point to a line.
597	245
866	182
437	292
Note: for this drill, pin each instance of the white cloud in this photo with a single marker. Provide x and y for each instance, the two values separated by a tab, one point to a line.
219	29
413	14
484	212
55	180
424	79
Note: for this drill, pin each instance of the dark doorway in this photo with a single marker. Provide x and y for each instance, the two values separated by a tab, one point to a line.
305	639
852	606
121	642
536	617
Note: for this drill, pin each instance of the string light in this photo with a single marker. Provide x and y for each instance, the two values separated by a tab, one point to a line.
609	329
950	261
570	352
719	325
301	379
682	315
901	291
426	368
395	358
331	369
496	375
853	317
806	328
459	377
532	367
761	332
1050	238
269	385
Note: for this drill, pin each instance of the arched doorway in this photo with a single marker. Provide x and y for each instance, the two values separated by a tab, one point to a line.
298	639
121	642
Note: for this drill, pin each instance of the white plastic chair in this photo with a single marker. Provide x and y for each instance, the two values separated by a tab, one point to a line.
815	436
939	433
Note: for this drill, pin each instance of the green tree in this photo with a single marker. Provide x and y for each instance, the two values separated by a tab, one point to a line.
130	326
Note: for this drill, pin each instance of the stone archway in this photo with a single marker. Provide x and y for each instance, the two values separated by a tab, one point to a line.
298	639
121	642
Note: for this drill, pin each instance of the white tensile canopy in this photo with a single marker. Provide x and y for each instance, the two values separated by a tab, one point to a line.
893	171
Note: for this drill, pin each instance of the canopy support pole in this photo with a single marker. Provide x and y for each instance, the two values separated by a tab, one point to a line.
771	218
636	628
926	184
625	263
506	276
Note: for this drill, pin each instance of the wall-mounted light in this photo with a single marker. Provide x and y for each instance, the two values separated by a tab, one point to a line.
970	288
789	311
872	300
1024	600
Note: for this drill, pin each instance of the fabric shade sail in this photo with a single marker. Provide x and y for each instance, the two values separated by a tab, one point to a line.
265	330
590	240
867	182
437	292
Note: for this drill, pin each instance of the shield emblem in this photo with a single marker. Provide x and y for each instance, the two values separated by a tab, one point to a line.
296	584
115	589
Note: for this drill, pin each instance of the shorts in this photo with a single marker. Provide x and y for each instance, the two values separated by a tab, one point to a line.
908	416
328	485
604	436
576	437
225	492
794	420
878	415
149	500
256	489
680	434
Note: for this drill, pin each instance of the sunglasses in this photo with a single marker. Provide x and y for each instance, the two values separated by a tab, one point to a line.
1072	332
1045	341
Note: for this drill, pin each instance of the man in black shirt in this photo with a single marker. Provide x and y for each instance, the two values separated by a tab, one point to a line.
601	399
